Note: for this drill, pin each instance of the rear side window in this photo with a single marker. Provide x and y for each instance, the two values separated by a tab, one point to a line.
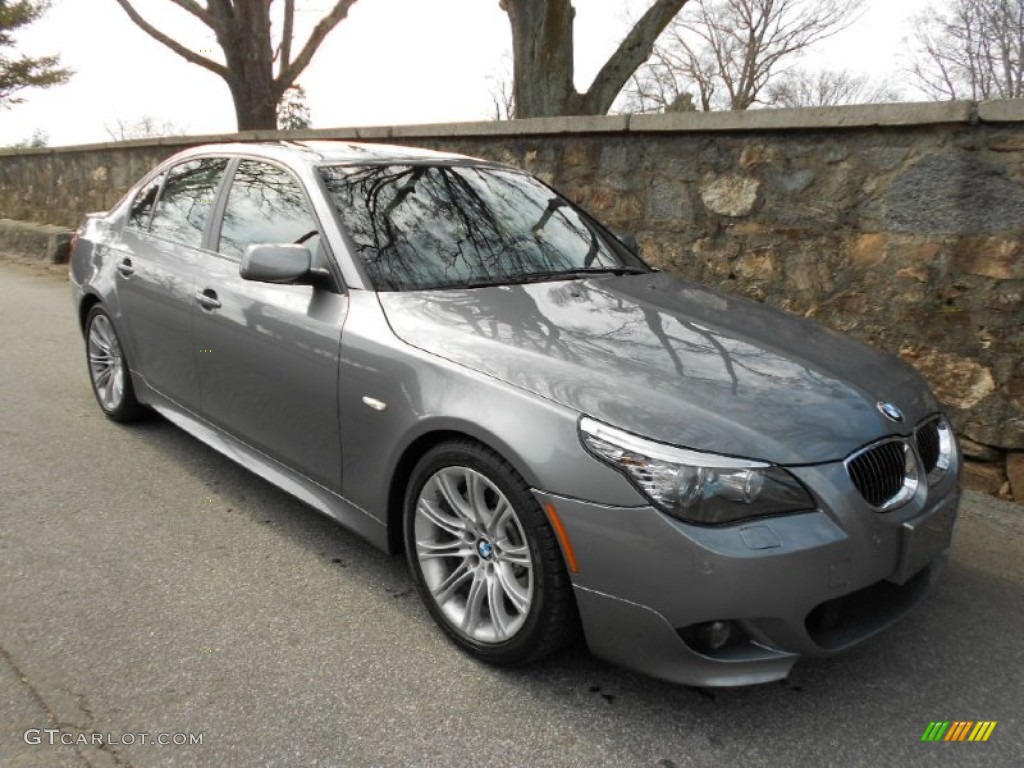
265	205
142	208
187	200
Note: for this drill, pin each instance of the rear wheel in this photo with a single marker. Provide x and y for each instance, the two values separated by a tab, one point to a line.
108	368
484	558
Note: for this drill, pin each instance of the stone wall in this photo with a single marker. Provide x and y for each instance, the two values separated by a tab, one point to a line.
902	225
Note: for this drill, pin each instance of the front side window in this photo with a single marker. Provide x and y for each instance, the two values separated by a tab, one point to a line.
265	205
187	199
418	227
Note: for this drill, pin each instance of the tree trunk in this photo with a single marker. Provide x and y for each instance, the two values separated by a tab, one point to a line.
542	57
255	108
542	54
250	74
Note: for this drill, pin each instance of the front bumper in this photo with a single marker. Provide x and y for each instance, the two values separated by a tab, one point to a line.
798	585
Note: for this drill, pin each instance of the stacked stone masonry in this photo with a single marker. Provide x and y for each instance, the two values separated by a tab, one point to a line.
902	225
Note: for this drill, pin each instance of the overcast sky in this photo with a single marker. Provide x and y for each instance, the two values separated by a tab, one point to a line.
389	62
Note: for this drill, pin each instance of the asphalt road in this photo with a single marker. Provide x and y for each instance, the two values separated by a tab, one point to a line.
148	585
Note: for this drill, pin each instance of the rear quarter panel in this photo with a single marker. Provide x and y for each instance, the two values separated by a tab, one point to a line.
90	267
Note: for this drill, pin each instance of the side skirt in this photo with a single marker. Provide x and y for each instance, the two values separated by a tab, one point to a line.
322	499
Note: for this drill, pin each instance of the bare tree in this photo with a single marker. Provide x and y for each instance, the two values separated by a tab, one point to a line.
727	53
37	140
659	86
146	127
543	57
22	72
502	101
257	71
499	85
973	51
829	88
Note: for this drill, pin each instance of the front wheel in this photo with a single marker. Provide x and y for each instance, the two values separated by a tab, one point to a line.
484	557
108	368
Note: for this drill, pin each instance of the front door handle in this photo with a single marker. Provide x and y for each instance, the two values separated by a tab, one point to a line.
208	299
125	268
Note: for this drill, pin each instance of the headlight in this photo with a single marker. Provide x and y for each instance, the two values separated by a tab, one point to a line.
936	445
693	486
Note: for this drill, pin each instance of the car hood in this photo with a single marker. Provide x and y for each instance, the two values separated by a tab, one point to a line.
672	361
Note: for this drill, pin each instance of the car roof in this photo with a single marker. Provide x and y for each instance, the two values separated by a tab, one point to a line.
330	152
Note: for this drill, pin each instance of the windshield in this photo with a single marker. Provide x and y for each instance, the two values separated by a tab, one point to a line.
417	227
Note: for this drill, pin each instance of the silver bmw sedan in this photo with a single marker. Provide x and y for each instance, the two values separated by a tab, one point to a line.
453	360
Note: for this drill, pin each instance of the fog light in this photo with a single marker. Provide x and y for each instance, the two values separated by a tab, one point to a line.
710	636
714	634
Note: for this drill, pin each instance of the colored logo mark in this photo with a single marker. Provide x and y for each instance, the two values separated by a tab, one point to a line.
959	730
890	411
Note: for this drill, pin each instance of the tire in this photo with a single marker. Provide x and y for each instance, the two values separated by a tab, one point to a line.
484	558
109	372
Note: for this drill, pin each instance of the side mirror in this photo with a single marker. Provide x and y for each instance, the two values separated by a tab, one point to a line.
281	264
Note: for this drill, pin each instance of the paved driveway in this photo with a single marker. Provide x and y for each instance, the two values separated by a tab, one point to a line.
150	586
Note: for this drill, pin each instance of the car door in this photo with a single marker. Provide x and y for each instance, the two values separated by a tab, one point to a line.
269	354
159	254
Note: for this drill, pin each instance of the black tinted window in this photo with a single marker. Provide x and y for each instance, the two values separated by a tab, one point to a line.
142	207
187	200
417	227
265	205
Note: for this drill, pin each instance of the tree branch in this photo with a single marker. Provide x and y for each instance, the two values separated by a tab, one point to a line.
287	33
185	53
291	73
631	53
198	11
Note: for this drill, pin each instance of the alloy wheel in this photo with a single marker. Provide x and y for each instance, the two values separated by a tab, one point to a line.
474	555
106	363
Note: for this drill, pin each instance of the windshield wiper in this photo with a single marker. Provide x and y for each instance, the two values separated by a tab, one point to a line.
577	274
539	277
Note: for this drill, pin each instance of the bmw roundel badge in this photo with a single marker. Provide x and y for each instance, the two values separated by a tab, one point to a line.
890	411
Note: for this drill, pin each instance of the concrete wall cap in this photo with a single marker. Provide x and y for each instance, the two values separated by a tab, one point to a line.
32	226
1004	111
852	116
836	118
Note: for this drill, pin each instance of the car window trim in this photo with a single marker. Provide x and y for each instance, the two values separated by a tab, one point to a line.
161	175
211	237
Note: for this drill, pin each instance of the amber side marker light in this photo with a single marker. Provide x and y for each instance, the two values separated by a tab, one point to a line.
563	538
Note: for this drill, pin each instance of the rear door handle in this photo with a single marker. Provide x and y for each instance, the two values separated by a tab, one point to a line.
208	299
125	268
